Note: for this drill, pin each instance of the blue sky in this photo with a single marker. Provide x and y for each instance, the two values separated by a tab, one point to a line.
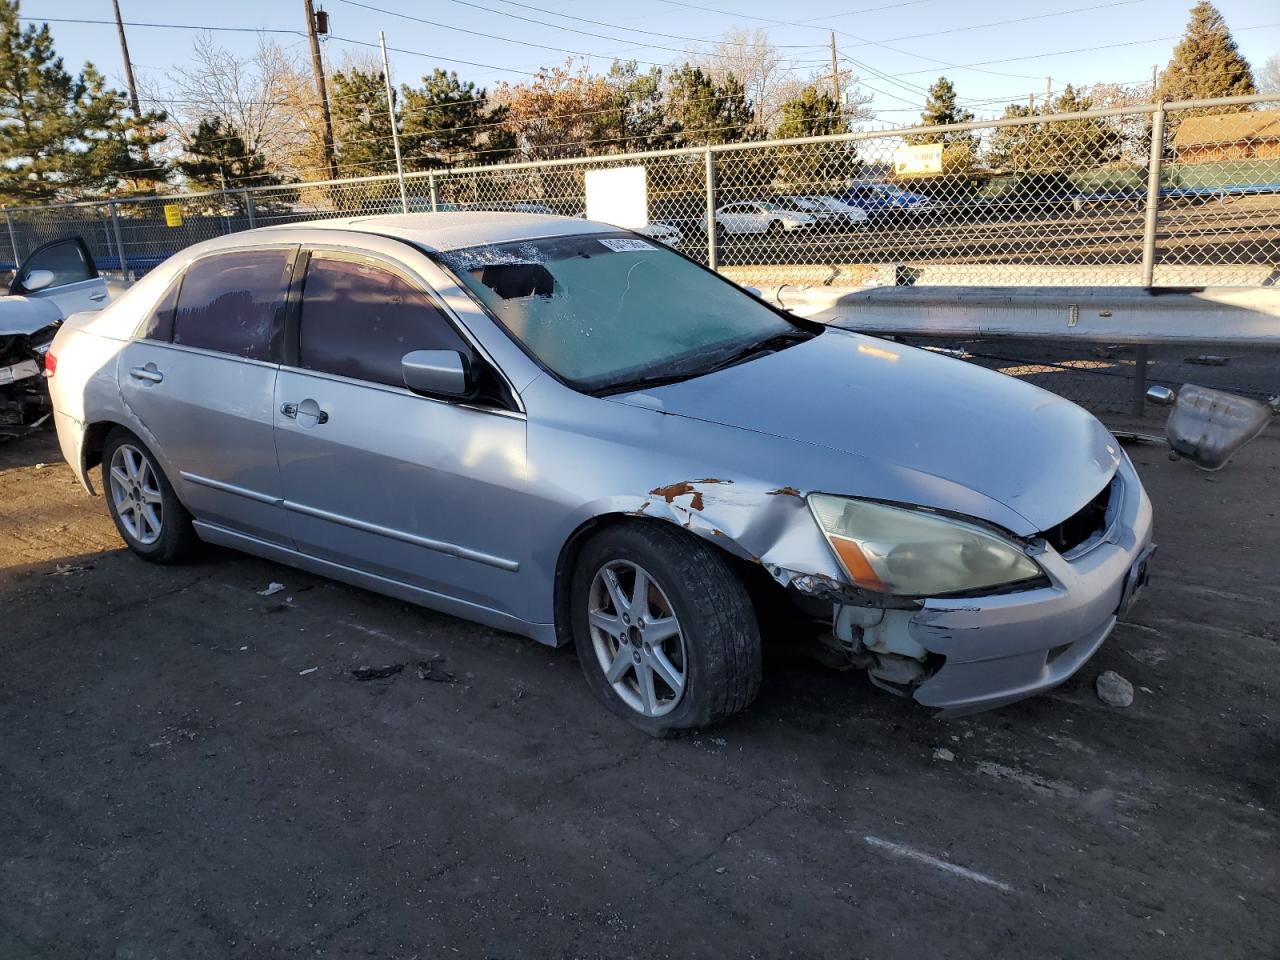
900	46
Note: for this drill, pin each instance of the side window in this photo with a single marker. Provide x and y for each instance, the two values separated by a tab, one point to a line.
360	319
158	324
229	302
65	259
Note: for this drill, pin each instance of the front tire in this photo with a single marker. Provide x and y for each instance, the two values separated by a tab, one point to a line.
141	501
664	628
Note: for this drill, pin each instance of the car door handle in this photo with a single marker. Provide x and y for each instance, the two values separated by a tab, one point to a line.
149	372
97	297
308	410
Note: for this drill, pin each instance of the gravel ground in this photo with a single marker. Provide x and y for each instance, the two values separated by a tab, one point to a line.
189	770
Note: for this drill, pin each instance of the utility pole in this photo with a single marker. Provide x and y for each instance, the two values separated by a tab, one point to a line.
835	74
1155	79
128	64
391	115
1048	94
317	67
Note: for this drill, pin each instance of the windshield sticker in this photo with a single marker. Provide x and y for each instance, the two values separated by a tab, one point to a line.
626	244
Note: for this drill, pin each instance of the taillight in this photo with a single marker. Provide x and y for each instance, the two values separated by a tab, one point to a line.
50	364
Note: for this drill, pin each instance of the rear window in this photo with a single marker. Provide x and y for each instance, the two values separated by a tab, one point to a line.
232	302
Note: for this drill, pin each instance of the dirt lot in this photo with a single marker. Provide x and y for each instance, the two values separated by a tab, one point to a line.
189	770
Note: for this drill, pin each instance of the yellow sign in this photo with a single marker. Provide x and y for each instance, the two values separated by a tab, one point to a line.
173	215
918	161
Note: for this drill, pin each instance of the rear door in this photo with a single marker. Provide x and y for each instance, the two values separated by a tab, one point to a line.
425	491
200	379
76	285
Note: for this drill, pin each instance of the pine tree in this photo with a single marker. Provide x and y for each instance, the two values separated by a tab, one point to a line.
702	111
812	113
64	137
361	128
1206	62
447	122
640	122
217	158
959	147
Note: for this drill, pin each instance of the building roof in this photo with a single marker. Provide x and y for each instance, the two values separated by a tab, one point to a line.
1228	128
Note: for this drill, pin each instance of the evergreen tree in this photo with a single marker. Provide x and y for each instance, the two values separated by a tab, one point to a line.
702	111
640	122
1206	62
64	137
217	158
811	113
363	144
959	147
821	166
447	122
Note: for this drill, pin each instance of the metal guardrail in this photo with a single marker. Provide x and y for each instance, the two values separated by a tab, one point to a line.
1099	347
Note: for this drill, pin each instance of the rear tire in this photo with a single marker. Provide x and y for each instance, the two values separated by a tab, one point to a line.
142	503
683	652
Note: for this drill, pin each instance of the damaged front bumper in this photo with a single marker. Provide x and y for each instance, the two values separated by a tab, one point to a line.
24	398
966	655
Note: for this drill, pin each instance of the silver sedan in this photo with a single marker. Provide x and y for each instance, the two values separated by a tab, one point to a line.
569	431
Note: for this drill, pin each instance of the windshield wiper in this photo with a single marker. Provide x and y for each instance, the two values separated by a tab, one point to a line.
767	345
656	380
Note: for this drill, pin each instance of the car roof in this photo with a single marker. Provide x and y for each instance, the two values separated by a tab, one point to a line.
451	230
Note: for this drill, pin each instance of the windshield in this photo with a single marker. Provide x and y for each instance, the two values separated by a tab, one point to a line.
772	208
605	310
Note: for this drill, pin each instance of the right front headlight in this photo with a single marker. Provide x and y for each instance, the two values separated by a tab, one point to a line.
911	553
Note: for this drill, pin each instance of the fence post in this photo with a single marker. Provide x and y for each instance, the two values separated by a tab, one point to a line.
249	210
13	238
1153	197
713	255
115	226
435	199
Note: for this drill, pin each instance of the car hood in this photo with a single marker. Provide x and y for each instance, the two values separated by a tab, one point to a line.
22	315
1038	455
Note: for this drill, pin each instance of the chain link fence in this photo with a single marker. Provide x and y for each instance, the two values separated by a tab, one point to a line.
1156	195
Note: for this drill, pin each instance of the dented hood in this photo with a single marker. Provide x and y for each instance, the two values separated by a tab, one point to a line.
1041	456
22	315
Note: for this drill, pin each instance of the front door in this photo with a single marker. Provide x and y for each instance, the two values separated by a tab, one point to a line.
200	379
76	285
420	490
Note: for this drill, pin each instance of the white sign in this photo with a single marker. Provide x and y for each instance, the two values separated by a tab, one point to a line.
625	245
619	196
918	161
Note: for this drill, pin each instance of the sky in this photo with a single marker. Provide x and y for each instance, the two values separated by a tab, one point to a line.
897	47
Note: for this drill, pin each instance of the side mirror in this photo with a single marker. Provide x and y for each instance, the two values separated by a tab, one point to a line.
37	280
436	372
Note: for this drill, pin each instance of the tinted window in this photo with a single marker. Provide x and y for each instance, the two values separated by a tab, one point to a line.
230	302
359	320
158	324
66	260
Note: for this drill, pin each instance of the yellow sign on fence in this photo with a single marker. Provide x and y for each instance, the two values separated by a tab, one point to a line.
173	214
918	161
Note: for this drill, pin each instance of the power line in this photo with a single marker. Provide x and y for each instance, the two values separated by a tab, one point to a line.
163	26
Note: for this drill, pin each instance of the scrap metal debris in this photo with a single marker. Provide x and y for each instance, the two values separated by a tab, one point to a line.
1208	360
377	673
272	589
1114	690
430	670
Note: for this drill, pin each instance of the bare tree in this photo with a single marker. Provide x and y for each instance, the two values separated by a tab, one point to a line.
755	63
1269	74
267	98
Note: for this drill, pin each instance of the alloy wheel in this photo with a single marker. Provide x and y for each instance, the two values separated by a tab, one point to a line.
135	492
637	638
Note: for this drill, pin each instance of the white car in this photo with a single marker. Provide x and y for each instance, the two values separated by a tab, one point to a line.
829	210
761	216
665	233
55	281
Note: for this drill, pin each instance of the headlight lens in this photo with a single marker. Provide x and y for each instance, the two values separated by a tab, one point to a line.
915	554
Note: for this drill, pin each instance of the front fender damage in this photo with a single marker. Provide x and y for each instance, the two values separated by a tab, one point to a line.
773	527
765	526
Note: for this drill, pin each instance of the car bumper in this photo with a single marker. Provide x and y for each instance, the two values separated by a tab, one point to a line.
1004	648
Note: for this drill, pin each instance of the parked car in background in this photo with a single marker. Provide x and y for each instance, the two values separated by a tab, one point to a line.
828	211
664	233
566	430
885	200
761	216
55	281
